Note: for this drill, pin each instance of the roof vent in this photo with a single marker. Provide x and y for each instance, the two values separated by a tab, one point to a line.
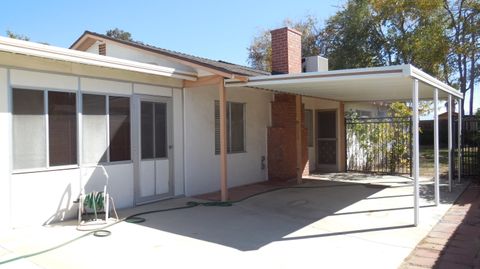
102	49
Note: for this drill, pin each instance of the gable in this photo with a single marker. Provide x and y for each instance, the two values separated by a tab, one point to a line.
202	66
116	50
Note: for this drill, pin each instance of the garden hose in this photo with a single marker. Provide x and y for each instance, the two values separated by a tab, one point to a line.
102	232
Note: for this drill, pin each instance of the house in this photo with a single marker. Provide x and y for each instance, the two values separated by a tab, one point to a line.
167	124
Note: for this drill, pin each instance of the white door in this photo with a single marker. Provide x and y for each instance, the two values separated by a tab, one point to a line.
154	154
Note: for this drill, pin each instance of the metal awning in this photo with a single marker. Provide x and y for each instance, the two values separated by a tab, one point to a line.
390	83
364	84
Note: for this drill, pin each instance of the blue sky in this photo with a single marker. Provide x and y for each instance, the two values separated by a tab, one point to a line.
212	29
220	30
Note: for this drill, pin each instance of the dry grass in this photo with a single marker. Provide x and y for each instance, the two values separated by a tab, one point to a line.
426	161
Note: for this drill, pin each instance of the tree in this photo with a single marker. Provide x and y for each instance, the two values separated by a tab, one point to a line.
464	54
349	39
119	34
260	54
17	36
387	32
441	37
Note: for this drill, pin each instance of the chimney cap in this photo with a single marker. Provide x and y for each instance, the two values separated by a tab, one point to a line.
286	29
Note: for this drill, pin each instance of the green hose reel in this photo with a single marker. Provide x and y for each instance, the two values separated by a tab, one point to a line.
94	201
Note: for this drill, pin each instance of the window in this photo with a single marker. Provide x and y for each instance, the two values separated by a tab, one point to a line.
30	113
102	113
45	128
154	130
62	128
119	127
309	126
29	136
235	127
94	128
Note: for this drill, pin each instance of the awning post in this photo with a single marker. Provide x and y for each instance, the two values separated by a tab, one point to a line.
416	149
450	143
459	143
436	148
223	140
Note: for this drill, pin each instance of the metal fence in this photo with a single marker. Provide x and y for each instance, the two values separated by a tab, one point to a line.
379	145
470	148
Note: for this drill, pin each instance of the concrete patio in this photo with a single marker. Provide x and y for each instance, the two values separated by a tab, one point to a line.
348	221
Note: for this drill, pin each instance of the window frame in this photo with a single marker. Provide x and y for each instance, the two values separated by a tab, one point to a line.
107	126
79	128
229	126
130	115
47	166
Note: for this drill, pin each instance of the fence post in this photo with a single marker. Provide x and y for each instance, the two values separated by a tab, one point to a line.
411	145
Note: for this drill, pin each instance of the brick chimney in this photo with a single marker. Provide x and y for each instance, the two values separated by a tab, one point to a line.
282	156
286	51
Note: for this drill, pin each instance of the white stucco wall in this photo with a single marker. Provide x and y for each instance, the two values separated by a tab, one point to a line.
130	53
40	197
320	104
5	146
202	165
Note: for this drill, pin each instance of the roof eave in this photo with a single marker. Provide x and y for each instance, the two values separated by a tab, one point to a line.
62	54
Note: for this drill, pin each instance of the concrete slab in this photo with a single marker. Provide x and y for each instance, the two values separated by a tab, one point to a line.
331	224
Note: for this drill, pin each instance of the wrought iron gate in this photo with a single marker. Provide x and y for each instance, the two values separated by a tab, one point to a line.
470	148
379	145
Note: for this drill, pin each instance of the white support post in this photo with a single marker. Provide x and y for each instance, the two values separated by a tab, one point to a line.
450	143
436	148
459	143
416	154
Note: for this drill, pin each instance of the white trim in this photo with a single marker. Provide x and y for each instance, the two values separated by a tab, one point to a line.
47	131
62	54
79	112
10	136
184	140
107	125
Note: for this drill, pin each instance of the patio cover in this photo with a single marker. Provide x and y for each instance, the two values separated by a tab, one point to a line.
391	83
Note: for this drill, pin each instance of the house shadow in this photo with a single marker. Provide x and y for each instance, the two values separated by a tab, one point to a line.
280	215
64	210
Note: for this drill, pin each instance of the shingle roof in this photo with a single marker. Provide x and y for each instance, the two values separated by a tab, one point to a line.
214	64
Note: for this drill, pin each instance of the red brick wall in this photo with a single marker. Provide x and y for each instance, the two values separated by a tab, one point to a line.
282	156
286	51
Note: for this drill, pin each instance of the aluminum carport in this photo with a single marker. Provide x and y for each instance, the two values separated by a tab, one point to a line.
391	83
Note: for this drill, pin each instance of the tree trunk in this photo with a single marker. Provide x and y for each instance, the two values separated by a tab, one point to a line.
472	71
